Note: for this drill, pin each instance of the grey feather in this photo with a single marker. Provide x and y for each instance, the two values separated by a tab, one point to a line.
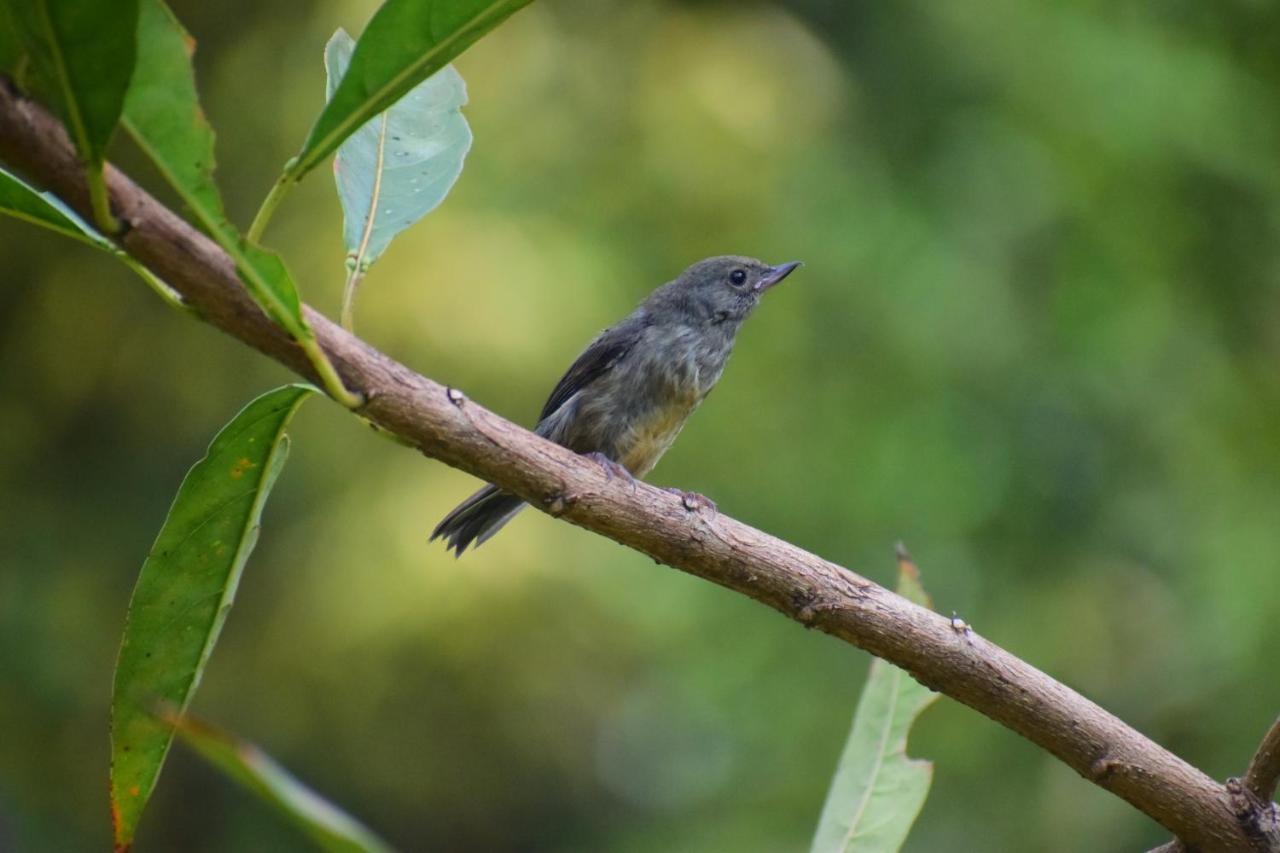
477	518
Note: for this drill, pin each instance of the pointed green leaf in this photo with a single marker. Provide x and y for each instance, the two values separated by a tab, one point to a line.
83	51
331	828
878	791
405	42
185	590
23	201
162	113
163	108
398	167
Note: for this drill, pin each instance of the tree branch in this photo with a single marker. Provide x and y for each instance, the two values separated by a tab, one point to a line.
445	425
1264	769
1251	797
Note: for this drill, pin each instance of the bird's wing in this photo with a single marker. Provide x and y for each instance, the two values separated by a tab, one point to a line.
609	347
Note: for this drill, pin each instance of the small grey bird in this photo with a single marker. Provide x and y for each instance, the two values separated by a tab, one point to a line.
627	396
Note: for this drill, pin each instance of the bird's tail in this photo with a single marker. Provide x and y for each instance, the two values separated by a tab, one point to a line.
477	518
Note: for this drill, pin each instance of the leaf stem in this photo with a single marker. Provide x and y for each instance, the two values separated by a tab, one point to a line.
269	205
102	216
357	261
170	296
354	277
328	375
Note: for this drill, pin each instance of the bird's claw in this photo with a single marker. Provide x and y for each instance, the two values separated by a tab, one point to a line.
694	502
611	468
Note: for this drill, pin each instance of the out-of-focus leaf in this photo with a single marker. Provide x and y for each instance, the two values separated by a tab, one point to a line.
878	791
185	590
23	201
396	168
405	42
11	47
162	113
331	828
84	51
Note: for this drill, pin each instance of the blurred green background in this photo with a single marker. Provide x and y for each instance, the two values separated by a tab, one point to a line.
1036	337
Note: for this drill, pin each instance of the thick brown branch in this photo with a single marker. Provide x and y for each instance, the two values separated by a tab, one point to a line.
446	425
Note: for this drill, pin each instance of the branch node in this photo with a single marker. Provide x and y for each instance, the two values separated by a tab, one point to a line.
805	602
1104	768
694	502
455	396
557	503
1259	819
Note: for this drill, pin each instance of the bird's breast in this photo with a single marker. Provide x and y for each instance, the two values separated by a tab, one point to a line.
678	373
651	434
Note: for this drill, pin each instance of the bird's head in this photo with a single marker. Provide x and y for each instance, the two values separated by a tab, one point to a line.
728	288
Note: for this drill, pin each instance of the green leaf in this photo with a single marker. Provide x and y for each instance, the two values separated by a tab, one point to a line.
878	791
405	42
83	50
185	590
162	113
163	108
23	201
398	167
331	828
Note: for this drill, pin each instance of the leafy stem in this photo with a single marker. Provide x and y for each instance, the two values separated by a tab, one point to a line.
170	296
102	216
269	205
328	375
354	275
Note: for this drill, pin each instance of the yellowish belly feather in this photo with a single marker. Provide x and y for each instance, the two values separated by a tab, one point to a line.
650	438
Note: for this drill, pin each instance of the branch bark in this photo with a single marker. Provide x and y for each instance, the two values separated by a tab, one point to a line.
446	425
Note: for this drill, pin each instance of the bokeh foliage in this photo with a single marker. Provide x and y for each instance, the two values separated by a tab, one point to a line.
1036	337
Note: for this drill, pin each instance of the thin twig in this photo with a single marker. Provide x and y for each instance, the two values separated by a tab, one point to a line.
446	425
1264	769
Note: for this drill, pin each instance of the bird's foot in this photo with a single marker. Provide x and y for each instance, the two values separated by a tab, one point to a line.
694	502
611	468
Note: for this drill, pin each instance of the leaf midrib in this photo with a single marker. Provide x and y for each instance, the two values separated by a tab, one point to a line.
879	763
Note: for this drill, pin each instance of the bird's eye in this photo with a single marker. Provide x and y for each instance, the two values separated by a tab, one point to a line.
738	277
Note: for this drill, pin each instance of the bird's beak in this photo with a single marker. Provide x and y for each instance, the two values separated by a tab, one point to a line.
777	274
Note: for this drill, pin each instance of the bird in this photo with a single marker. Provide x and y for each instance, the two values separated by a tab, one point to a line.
627	396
